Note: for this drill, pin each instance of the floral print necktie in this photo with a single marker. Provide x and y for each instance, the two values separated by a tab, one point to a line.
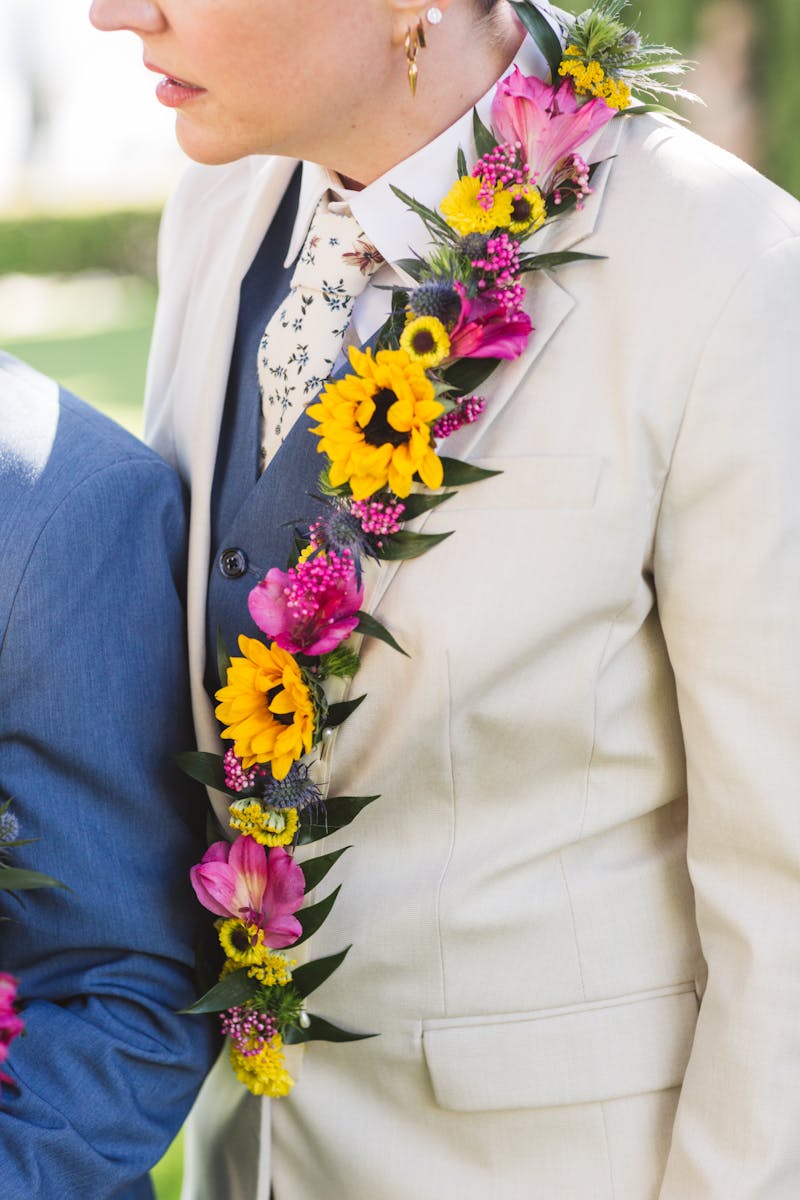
304	336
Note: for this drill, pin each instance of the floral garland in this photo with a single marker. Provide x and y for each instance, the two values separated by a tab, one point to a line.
12	879
380	428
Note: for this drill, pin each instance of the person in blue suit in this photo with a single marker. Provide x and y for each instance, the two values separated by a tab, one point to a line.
93	707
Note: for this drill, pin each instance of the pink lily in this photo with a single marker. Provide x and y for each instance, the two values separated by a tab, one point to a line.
311	608
261	888
485	329
548	121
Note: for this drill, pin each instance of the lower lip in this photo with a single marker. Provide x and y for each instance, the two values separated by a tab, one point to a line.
173	94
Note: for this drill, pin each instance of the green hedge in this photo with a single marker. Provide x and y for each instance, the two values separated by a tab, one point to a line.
123	242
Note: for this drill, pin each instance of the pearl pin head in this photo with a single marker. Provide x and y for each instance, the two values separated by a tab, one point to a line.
434	15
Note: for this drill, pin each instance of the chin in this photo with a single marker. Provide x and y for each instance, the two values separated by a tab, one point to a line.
203	146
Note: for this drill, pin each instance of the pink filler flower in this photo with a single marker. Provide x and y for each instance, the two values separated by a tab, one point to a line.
261	888
310	608
548	121
11	1025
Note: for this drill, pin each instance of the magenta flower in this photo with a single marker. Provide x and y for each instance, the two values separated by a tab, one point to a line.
310	608
485	329
11	1025
547	121
261	888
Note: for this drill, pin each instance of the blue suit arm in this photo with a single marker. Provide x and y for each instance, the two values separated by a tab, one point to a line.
93	707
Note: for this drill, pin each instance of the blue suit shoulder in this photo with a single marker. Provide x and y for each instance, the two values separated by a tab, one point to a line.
93	707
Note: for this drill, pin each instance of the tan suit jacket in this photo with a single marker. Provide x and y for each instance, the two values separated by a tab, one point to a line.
535	907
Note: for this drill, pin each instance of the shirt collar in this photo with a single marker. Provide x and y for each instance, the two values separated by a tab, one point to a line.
427	175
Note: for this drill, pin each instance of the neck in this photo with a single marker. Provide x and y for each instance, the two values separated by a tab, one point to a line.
386	124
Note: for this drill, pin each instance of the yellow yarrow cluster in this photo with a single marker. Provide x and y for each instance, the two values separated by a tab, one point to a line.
267	826
266	707
591	80
374	425
264	1073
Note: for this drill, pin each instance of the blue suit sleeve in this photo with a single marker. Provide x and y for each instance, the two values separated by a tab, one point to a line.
93	707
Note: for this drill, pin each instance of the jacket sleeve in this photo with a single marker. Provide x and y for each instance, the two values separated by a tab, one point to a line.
727	572
93	705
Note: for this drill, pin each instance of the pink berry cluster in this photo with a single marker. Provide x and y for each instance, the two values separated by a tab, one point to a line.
236	778
312	581
465	413
378	518
572	177
249	1030
500	168
500	263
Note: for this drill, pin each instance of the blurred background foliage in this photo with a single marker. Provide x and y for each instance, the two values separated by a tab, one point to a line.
77	289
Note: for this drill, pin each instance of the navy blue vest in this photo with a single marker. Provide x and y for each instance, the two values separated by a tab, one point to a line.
252	518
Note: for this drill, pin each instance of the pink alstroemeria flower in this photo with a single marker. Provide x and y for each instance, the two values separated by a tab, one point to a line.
311	608
261	888
548	121
11	1024
485	329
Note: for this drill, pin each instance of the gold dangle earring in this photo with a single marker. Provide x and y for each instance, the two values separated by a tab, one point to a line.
415	40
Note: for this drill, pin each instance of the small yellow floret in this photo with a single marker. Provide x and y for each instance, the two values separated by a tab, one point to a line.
591	80
264	1073
461	210
267	826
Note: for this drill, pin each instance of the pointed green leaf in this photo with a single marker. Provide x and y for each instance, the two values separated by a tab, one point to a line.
223	658
337	713
312	917
542	33
431	218
485	141
338	812
549	262
468	374
18	879
410	545
415	267
236	988
639	110
315	870
421	502
461	164
320	1030
457	473
313	974
204	767
370	627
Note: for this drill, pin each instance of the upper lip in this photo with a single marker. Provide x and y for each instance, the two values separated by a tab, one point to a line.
168	74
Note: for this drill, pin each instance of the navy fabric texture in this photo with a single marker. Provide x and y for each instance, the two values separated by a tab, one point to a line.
93	706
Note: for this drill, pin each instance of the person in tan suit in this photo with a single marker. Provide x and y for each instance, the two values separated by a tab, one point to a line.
574	910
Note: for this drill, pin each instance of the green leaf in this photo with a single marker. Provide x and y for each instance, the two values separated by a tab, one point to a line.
405	545
370	627
461	164
18	879
415	267
204	767
312	917
457	473
315	870
339	811
312	975
431	218
640	110
236	988
320	1030
485	141
542	33
467	374
337	713
223	658
418	503
549	262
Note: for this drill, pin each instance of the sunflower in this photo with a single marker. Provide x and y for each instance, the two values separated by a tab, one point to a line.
266	707
425	341
528	209
463	211
374	425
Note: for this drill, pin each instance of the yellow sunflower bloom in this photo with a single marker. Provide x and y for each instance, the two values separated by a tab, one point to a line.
425	341
374	425
528	209
240	942
264	1073
461	210
266	707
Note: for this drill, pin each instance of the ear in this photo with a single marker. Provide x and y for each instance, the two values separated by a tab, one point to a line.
407	14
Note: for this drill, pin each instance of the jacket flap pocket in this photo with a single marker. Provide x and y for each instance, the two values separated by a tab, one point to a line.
572	1055
533	481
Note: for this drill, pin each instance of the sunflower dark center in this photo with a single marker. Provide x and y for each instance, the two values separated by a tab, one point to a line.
281	718
240	939
378	431
521	209
423	341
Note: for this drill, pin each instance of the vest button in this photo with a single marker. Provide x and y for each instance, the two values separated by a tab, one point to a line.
233	563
